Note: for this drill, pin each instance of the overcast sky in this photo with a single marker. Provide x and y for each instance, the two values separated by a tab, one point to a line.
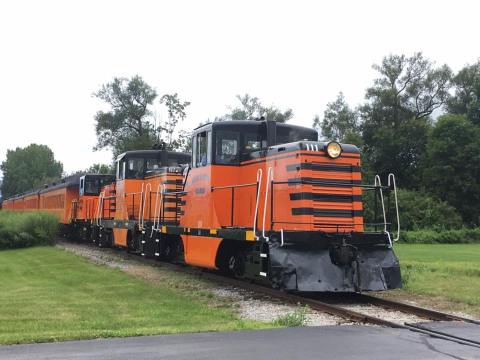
297	54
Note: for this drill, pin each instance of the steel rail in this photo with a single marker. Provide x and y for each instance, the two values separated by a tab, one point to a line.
413	309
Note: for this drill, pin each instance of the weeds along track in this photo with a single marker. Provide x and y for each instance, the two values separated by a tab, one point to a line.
357	308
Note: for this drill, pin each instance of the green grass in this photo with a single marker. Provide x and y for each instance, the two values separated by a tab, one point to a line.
48	294
448	271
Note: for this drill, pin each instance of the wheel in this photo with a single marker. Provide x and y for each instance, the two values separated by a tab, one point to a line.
236	265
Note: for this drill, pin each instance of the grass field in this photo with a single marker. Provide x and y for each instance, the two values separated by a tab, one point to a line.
448	271
48	294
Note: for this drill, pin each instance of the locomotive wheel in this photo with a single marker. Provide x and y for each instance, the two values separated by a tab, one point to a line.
236	265
170	251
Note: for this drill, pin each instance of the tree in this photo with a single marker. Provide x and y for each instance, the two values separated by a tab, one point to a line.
466	98
176	114
127	125
27	168
251	108
101	169
339	122
396	115
452	170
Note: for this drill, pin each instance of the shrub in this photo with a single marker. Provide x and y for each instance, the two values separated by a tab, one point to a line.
418	210
23	229
459	236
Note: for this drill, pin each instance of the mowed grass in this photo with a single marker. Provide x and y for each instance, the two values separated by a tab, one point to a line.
48	294
444	270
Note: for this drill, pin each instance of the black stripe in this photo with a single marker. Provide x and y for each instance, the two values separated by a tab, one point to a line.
325	197
327	212
323	182
173	182
323	167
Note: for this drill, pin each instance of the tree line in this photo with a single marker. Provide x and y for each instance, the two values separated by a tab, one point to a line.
419	121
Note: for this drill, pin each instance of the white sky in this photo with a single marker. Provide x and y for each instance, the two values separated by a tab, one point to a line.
298	54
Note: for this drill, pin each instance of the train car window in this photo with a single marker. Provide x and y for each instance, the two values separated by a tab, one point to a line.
178	159
227	147
252	141
203	145
153	164
92	186
135	168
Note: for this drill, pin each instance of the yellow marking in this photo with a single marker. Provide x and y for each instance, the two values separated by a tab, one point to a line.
249	235
164	229
213	231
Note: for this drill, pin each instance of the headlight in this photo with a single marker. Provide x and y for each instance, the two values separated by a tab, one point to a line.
334	149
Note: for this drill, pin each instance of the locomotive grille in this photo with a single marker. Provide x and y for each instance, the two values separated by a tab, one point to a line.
329	196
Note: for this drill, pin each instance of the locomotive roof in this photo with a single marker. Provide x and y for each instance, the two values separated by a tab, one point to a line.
245	123
149	153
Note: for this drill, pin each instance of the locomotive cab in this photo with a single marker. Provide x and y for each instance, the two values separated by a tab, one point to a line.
137	174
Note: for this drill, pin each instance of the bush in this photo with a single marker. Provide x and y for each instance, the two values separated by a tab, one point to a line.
418	211
23	229
460	236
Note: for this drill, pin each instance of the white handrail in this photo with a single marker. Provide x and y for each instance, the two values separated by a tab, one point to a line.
269	177
378	183
148	186
160	205
97	213
155	209
259	181
141	201
390	183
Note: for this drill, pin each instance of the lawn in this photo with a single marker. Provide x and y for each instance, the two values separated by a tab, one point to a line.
48	294
448	271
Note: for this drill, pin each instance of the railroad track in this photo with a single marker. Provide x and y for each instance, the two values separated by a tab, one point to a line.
314	303
360	317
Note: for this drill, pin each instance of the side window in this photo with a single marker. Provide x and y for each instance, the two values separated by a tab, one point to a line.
121	170
227	147
135	168
202	148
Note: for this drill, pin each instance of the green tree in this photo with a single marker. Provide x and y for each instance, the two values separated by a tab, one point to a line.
418	210
339	122
466	98
127	126
251	108
27	168
452	170
396	115
101	169
176	114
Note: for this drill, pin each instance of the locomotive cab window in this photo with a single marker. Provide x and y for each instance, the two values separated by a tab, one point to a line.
227	147
202	149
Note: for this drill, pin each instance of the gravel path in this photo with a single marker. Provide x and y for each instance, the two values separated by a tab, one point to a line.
249	305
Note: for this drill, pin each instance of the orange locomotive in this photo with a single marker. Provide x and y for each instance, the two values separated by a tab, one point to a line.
258	199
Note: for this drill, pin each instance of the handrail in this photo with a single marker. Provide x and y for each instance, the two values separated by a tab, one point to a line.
161	209
141	201
99	206
155	209
392	178
231	186
259	186
269	175
378	183
142	220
